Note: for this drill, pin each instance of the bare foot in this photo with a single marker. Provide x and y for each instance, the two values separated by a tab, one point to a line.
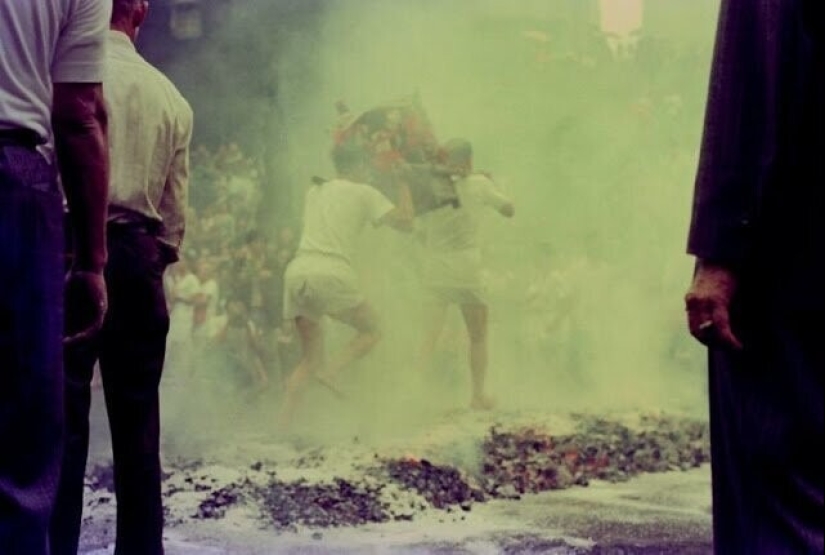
482	403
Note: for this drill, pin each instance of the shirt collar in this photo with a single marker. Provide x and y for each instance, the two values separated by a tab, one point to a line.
119	39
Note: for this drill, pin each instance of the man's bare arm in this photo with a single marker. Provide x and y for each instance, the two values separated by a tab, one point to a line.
80	129
401	217
80	125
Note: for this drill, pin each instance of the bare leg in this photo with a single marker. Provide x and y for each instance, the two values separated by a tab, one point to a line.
475	317
312	345
435	318
365	322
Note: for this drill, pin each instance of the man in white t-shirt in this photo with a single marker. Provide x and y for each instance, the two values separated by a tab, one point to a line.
451	262
320	280
51	70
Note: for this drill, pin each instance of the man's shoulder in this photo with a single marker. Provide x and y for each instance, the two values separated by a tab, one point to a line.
477	180
141	72
164	82
351	188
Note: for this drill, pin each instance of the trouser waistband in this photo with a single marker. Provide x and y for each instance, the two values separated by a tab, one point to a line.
20	137
143	227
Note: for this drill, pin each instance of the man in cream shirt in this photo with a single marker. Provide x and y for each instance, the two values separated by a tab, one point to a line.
150	127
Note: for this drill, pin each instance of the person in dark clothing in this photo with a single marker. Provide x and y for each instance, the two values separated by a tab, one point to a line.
150	127
757	299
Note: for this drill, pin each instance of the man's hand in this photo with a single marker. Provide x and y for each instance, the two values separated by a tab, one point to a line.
708	306
86	305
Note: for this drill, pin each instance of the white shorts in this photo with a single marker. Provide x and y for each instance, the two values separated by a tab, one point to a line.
454	276
457	295
316	285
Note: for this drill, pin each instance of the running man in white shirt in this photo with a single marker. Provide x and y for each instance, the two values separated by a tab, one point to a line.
320	280
451	265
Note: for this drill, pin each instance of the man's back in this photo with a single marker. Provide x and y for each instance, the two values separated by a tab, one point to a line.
150	125
336	212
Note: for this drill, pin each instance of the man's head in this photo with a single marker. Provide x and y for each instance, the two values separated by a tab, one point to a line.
128	16
350	161
204	269
457	154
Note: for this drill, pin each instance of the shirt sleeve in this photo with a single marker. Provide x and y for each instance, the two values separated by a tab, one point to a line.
173	201
377	204
487	192
79	54
733	154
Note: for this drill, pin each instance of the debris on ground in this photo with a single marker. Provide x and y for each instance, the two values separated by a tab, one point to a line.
442	486
317	488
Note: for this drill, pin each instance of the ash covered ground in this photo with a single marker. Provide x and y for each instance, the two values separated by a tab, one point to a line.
269	489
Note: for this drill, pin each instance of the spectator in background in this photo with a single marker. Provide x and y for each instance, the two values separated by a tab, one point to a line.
206	300
758	294
241	344
286	240
182	288
51	69
265	299
150	131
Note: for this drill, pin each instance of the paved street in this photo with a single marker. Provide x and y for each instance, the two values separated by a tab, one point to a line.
655	513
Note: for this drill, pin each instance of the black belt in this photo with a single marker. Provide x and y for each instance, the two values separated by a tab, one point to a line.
144	227
20	137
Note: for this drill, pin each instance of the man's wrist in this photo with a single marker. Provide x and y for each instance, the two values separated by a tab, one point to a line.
721	275
93	261
81	266
77	271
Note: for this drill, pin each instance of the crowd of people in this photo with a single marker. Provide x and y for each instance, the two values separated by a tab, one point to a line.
225	294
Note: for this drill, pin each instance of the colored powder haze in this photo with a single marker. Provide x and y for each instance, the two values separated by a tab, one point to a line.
598	154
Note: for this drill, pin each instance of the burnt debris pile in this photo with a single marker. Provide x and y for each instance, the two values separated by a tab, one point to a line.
219	501
530	460
101	477
442	486
342	503
315	490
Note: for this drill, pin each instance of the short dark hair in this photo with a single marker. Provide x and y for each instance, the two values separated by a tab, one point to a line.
348	157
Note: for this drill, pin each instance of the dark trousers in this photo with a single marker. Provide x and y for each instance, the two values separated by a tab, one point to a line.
766	438
31	327
130	348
